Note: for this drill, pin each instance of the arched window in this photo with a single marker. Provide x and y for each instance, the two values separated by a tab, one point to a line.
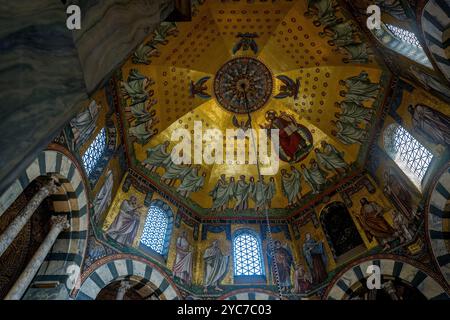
157	228
409	154
404	35
95	151
247	254
403	42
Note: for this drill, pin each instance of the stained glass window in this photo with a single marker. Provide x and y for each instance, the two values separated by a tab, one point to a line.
247	255
403	42
410	155
95	152
155	229
404	35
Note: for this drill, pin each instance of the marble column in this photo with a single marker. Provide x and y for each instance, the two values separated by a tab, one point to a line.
8	236
59	223
124	286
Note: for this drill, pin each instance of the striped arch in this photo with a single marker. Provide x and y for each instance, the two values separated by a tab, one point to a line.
148	278
436	29
438	221
71	199
254	294
344	284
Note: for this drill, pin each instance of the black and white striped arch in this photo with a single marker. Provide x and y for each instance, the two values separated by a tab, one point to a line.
71	199
148	279
438	220
344	284
436	29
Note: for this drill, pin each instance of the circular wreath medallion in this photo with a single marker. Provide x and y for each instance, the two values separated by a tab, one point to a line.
243	77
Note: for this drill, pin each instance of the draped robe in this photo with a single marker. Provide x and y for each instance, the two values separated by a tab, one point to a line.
360	88
331	159
103	198
84	123
192	182
215	266
222	193
373	222
157	155
315	177
432	124
316	259
354	113
349	134
291	185
242	193
183	260
125	225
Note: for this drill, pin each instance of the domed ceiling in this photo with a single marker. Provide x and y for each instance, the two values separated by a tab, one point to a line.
307	71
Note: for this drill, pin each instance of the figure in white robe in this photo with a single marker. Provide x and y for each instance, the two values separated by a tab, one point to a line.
270	191
360	88
291	186
358	53
192	182
164	30
348	133
324	11
140	112
83	125
353	113
103	198
260	194
242	193
251	190
315	176
331	159
222	193
144	52
216	265
431	124
135	88
143	132
126	224
157	156
341	34
182	267
174	172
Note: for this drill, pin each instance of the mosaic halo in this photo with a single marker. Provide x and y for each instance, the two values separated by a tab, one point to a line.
242	76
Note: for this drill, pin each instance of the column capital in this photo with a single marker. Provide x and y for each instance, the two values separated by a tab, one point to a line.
53	184
60	221
125	285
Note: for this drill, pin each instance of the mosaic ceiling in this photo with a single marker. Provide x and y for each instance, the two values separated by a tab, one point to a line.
307	71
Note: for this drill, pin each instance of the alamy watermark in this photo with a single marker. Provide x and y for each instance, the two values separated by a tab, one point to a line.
241	147
73	21
374	280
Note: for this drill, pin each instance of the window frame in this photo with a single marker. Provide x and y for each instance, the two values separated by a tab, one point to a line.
393	42
100	141
390	137
242	278
167	210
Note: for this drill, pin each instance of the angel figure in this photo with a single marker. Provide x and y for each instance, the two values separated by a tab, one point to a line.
246	42
290	88
199	88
